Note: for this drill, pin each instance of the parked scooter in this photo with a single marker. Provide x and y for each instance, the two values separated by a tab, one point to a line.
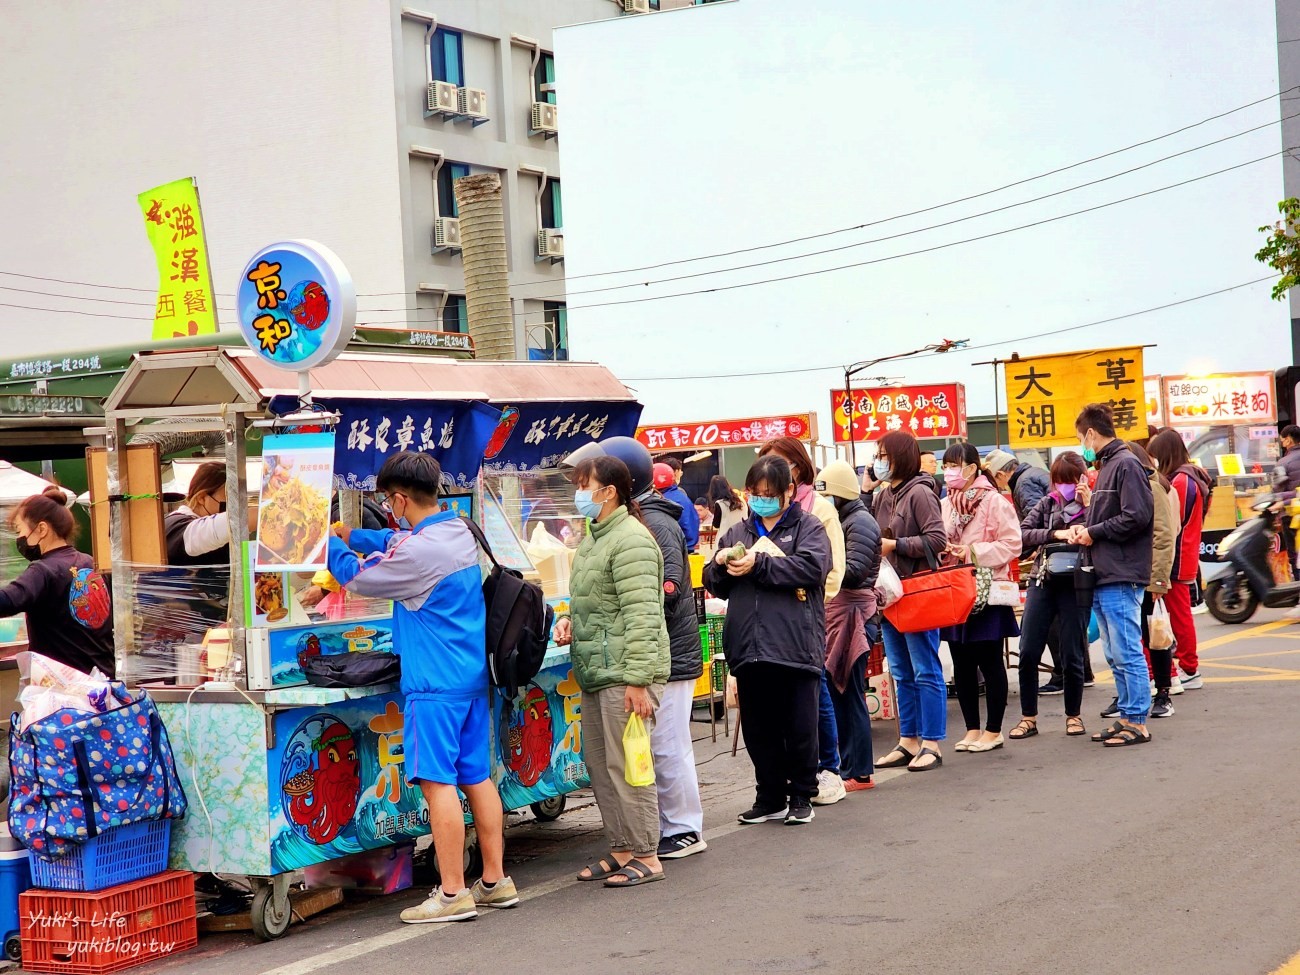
1234	595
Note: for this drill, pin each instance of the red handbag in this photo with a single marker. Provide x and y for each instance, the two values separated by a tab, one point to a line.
934	599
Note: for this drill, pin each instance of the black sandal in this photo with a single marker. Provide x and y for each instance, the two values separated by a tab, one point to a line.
938	760
1127	736
1109	733
1026	729
890	762
637	872
607	867
1074	727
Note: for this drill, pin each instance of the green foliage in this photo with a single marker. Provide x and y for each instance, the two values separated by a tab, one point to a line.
1282	252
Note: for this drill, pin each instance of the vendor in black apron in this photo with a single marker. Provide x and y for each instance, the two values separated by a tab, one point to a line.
198	532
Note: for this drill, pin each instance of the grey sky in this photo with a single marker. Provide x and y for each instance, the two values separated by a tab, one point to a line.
727	127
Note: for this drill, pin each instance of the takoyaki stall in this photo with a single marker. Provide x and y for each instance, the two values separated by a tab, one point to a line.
282	775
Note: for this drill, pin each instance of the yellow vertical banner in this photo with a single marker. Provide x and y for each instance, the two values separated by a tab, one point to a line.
1046	393
174	223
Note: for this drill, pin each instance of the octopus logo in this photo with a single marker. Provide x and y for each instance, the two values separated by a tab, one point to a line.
527	737
321	778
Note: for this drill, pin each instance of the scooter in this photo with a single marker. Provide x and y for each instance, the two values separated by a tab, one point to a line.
1234	595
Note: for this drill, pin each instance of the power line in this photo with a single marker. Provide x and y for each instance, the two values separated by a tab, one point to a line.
968	348
918	230
927	250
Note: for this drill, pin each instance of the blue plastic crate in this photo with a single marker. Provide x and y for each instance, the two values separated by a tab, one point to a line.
116	856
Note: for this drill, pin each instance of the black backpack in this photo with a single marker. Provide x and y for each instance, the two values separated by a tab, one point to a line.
518	623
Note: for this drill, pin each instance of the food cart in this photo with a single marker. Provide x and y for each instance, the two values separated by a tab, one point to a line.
282	775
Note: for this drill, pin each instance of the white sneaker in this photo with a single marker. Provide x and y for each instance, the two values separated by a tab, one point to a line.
438	908
1191	682
1200	610
1176	685
830	788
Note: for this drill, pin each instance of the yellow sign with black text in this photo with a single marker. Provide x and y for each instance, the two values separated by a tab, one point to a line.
186	304
1046	393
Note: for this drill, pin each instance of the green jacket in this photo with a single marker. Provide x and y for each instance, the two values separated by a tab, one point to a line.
616	598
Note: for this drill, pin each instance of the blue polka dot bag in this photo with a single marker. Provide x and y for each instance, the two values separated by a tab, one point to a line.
74	775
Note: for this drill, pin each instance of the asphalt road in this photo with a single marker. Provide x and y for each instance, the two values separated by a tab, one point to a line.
1050	855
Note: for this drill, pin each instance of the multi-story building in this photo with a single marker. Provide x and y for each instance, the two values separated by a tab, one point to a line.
345	121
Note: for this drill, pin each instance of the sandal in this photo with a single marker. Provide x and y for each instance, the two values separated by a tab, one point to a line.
1074	727
904	758
1109	733
1127	736
636	873
1026	729
606	867
938	760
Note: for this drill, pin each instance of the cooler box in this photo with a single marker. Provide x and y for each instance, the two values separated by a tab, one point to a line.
15	877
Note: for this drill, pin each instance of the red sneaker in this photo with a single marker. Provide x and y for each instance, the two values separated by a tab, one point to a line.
857	785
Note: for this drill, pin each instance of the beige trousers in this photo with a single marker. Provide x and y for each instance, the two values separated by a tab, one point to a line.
631	814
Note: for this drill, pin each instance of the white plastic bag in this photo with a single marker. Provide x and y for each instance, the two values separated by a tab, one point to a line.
889	588
1160	633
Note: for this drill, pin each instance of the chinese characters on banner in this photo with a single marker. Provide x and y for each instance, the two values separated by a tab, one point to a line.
1227	398
186	304
924	411
1046	393
726	433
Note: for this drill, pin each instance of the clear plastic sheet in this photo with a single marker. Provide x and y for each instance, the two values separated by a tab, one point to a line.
173	609
13	629
540	512
49	686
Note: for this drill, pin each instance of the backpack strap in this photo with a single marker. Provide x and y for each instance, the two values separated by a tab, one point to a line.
479	537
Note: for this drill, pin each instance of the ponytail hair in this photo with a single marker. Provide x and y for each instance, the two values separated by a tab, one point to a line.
51	507
611	472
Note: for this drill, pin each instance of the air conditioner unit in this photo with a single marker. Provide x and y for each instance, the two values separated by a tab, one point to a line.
443	98
546	118
550	243
474	104
636	6
446	234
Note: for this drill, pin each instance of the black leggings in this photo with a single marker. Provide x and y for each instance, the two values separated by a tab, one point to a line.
969	660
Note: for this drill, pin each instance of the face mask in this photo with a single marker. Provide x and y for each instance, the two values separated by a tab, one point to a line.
1067	491
30	552
954	478
1089	455
587	507
765	507
881	470
221	507
404	524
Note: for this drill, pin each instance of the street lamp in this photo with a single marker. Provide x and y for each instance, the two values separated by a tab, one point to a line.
946	345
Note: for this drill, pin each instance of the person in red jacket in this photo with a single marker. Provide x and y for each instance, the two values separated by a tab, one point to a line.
1192	485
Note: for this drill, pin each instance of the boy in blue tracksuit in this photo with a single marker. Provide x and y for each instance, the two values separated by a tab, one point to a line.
431	573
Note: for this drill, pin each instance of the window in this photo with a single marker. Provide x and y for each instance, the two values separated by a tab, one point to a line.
448	174
550	342
455	315
545	76
552	212
447	56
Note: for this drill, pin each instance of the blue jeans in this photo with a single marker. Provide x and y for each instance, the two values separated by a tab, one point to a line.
1118	608
918	682
828	739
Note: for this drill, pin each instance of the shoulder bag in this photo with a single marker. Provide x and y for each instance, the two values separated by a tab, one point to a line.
943	596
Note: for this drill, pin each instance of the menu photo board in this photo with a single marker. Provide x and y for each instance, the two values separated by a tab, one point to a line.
293	515
1222	399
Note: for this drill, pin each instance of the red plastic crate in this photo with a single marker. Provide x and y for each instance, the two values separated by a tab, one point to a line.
67	933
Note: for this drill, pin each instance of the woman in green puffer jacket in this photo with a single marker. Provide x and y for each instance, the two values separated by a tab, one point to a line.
620	660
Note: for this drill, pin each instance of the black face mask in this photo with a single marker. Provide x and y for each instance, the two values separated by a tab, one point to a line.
30	552
221	507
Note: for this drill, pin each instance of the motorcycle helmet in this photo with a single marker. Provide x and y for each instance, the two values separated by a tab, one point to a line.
634	454
664	477
587	451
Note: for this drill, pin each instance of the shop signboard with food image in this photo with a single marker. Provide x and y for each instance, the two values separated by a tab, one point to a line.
293	517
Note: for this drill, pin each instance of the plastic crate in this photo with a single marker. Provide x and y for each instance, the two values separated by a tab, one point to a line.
93	933
116	856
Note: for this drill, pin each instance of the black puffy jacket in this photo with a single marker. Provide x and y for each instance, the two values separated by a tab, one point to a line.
662	518
861	545
767	621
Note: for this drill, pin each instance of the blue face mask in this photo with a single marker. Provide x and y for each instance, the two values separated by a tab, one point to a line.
765	507
1089	455
587	507
881	470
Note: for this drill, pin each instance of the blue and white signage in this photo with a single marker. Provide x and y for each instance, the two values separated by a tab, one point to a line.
297	305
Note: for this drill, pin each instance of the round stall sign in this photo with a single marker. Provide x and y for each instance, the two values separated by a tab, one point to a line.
297	304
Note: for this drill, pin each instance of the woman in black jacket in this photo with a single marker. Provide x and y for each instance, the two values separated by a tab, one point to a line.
1050	600
775	638
849	617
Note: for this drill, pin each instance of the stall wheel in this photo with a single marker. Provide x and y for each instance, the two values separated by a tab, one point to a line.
471	863
270	920
14	948
549	810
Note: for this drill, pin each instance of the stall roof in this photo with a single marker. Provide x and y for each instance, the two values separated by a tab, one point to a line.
206	377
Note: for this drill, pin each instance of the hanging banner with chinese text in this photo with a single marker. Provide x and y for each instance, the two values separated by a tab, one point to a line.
186	304
293	514
926	412
727	433
1221	399
537	436
1046	393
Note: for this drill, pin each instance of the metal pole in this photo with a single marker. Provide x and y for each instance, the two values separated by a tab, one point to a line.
997	410
237	513
848	400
